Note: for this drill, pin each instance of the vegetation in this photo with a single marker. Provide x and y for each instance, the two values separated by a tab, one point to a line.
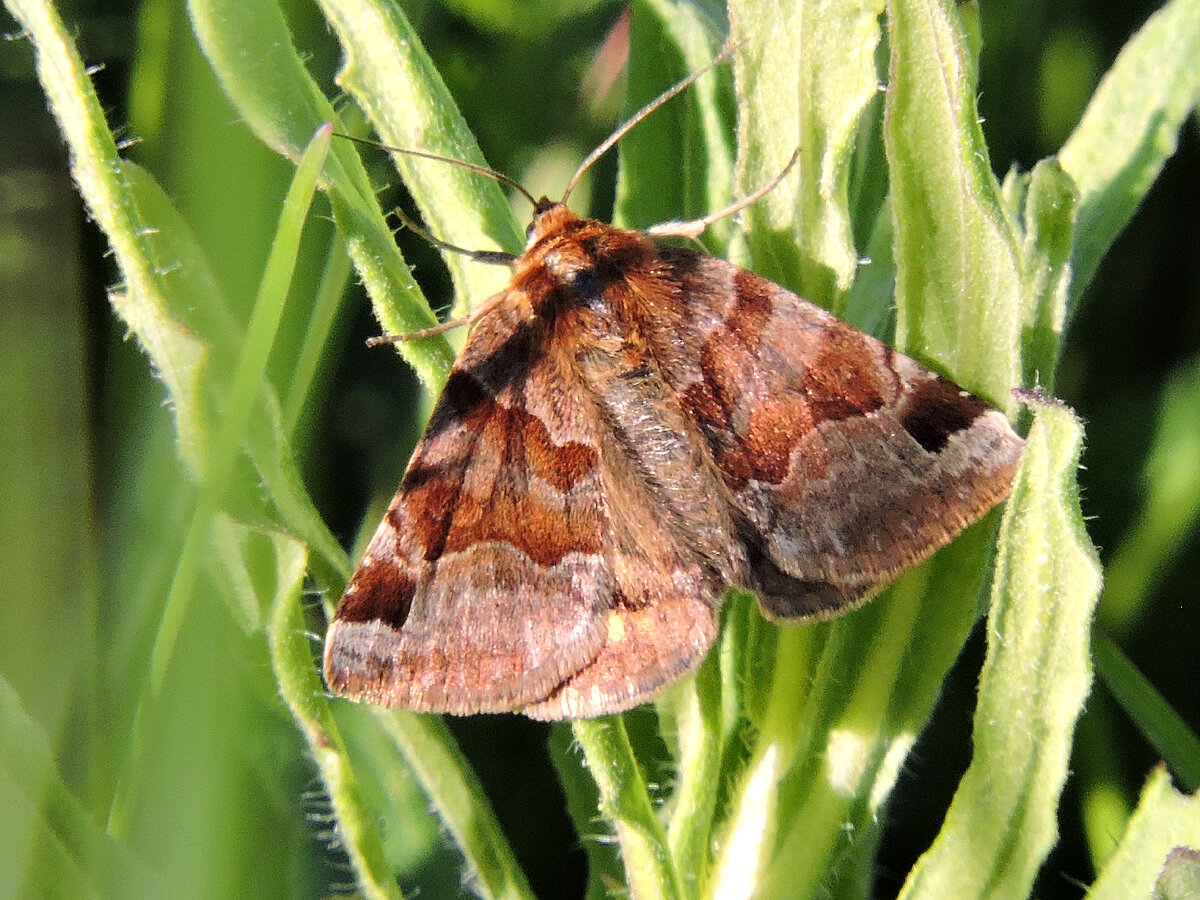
163	730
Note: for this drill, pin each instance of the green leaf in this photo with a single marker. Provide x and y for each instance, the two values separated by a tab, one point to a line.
669	41
1045	203
801	234
1164	819
1130	128
959	305
1035	679
53	848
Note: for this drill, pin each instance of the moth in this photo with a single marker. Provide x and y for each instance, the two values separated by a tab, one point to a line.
631	429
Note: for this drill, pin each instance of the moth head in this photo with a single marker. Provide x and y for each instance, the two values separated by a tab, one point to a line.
541	207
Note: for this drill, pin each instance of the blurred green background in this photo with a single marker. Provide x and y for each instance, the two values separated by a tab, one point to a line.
87	551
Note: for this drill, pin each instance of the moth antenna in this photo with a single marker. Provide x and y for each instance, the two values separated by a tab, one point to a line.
694	228
491	257
611	140
461	163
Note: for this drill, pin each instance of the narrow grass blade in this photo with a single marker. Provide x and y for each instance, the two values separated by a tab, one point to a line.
1162	725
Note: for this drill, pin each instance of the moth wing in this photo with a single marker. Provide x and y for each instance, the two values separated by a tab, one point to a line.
486	585
663	620
849	461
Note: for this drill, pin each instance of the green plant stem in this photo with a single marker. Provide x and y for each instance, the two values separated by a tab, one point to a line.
302	691
746	843
454	789
854	743
700	744
624	800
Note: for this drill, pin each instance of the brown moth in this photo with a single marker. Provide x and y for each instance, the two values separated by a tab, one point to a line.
630	430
